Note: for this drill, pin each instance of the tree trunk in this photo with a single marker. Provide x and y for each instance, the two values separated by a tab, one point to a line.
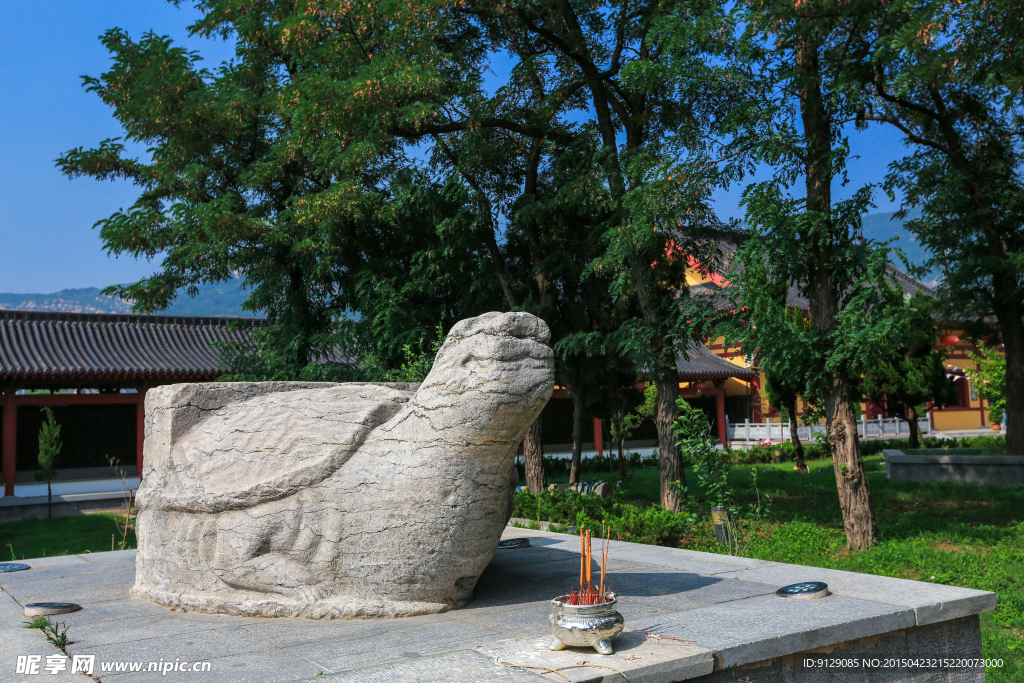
915	432
823	298
671	464
851	479
1012	331
577	435
622	457
533	455
794	436
49	501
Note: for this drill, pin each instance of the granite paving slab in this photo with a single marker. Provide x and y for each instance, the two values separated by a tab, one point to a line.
397	646
193	646
688	591
636	658
289	632
767	626
114	610
674	558
250	667
454	667
87	588
55	570
931	602
725	605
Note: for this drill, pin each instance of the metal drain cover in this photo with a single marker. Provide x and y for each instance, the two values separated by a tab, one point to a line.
45	609
806	590
13	567
513	544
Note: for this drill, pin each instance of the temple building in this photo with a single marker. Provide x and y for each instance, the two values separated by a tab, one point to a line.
94	371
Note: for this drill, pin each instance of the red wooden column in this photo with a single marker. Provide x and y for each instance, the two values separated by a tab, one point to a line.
598	434
140	428
10	440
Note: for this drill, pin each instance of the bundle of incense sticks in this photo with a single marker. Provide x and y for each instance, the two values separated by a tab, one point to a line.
589	594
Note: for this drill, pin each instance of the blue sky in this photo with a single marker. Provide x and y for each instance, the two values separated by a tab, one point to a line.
47	241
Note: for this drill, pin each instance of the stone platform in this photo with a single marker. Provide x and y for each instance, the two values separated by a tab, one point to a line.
718	618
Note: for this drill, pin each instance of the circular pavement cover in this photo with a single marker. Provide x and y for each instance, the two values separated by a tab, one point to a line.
45	609
806	589
13	567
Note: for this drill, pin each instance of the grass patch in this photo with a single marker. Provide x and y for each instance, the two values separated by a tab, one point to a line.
949	533
65	535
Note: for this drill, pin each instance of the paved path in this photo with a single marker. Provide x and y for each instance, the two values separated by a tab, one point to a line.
725	605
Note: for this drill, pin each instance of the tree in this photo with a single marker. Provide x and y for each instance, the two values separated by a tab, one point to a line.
784	392
914	376
282	166
630	408
947	74
990	379
809	240
640	82
49	451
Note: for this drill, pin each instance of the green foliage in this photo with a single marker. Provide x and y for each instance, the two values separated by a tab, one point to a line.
54	634
49	446
623	423
651	524
711	464
990	379
956	98
912	374
415	364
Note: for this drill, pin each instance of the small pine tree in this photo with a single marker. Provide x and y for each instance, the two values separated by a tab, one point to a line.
49	450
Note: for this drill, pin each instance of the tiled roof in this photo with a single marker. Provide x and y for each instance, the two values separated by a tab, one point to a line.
35	345
702	363
721	298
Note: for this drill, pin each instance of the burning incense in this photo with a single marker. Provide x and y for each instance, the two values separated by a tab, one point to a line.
589	559
604	559
589	594
583	556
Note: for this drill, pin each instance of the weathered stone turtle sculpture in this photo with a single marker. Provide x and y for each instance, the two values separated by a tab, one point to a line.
339	500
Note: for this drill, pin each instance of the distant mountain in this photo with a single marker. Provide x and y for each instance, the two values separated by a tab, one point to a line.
226	298
885	226
223	299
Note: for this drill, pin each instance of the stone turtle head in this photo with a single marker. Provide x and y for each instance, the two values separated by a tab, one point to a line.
494	373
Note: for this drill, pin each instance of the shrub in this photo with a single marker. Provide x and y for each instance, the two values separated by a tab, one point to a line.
649	524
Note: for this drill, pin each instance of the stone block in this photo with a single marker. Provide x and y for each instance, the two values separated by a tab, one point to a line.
340	500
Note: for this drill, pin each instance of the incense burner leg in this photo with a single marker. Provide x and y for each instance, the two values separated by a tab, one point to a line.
603	647
556	644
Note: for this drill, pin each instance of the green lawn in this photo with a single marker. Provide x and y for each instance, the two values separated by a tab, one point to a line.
953	534
66	535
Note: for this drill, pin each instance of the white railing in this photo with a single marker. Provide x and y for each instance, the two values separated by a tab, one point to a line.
779	431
